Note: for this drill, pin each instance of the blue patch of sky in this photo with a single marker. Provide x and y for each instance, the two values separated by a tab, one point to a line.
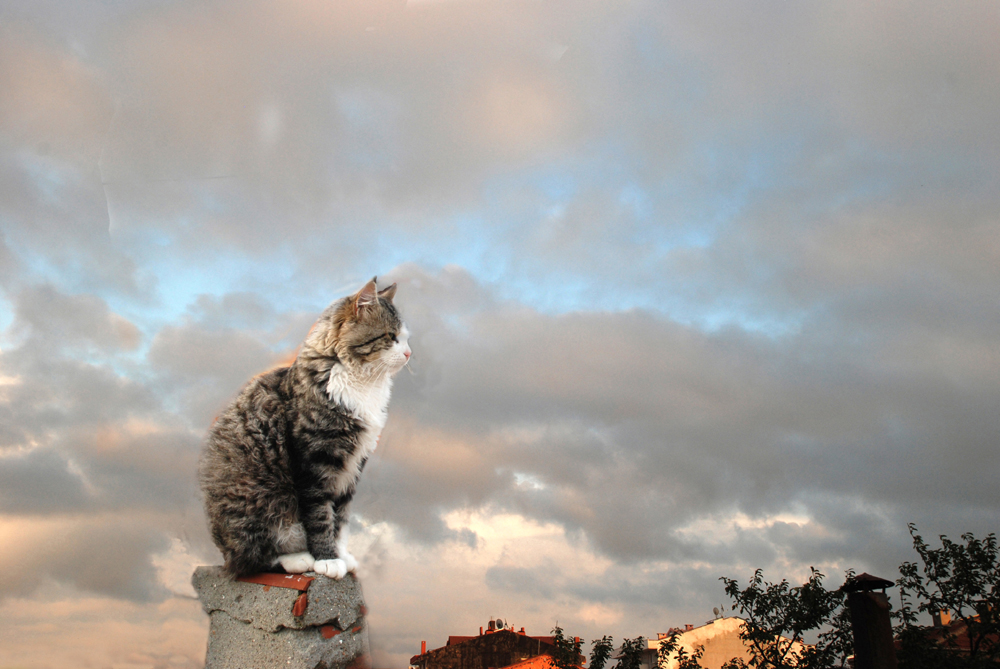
771	325
660	235
635	198
179	275
491	249
561	294
700	209
279	278
38	268
6	314
557	185
554	294
460	241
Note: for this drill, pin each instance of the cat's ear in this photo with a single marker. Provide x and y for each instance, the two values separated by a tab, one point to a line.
388	293
366	297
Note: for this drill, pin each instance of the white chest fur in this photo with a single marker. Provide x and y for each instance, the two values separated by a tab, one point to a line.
367	398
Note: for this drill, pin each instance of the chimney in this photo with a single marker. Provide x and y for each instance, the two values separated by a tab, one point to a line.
480	630
423	647
941	618
873	644
576	639
688	627
522	631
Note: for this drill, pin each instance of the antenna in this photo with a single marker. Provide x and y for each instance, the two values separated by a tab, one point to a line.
715	610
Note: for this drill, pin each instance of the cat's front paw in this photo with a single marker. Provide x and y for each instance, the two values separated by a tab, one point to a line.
350	561
335	569
296	563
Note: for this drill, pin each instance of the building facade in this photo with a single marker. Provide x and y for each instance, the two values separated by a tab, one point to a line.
494	647
720	638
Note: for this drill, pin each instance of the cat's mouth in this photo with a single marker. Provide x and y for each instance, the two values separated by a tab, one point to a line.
400	366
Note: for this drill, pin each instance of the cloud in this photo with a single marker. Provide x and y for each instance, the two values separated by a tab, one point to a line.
53	102
692	291
63	321
55	117
56	392
205	362
84	630
106	554
192	123
585	407
39	481
95	473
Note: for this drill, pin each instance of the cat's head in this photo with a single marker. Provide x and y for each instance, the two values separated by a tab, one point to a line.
364	332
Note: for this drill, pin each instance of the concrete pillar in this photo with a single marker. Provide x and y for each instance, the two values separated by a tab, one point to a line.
873	647
291	621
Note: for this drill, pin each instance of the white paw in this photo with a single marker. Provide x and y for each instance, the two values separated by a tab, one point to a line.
296	563
335	569
350	561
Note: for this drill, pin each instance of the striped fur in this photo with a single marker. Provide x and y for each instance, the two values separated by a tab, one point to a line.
282	462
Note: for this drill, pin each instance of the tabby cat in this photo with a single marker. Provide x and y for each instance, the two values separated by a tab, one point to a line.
281	463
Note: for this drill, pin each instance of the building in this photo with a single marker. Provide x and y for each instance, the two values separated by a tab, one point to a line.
953	635
496	646
537	662
720	639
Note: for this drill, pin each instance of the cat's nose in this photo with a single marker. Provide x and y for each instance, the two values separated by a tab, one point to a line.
407	353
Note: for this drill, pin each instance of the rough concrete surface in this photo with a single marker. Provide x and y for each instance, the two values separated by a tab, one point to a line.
253	625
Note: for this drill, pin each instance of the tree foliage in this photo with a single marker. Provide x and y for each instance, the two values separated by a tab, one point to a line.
567	650
778	616
601	651
670	649
630	656
962	579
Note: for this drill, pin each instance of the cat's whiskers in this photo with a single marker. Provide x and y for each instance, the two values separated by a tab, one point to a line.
381	367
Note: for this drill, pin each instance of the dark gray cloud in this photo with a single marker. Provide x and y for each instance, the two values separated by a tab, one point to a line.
57	392
59	322
192	353
245	311
202	366
627	427
139	466
39	482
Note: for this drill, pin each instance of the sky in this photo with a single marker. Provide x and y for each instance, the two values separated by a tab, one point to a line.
694	289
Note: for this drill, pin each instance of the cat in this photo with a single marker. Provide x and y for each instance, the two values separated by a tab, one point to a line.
281	463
